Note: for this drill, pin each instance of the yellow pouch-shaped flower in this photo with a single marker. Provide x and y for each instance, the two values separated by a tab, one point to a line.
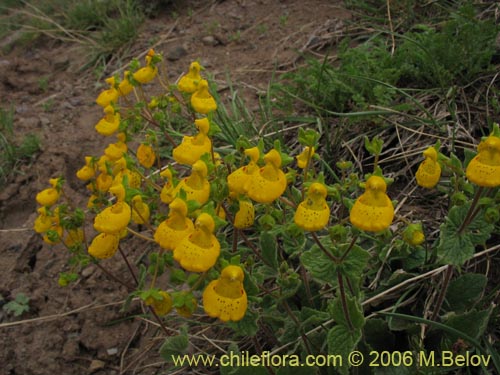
199	251
201	100
196	185
245	216
147	73
49	197
161	307
237	180
110	123
189	82
103	182
140	210
414	234
484	168
86	172
225	298
43	222
269	182
146	155
176	227
313	213
113	219
125	87
192	148
73	237
106	97
104	245
429	171
373	210
303	158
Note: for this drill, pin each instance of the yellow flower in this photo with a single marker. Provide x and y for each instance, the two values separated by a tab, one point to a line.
115	151
48	197
189	82
147	73
429	171
196	185
74	237
225	298
219	211
269	182
43	222
55	228
245	216
113	219
140	210
237	180
191	148
106	97
125	87
103	182
304	158
104	245
146	155
313	213
484	168
168	192
110	123
373	210
414	234
160	306
177	226
201	100
87	171
199	251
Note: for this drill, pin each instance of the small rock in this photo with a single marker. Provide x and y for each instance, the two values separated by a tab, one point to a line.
96	365
45	121
176	53
209	40
88	271
112	351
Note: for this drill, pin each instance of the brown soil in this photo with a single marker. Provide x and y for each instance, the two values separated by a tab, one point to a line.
80	329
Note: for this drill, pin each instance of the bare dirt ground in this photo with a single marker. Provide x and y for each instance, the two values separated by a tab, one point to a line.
80	329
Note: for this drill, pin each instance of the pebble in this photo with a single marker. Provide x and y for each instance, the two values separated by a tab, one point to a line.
209	40
176	53
112	351
96	365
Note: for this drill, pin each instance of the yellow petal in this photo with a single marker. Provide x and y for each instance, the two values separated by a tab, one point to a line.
428	173
245	216
104	245
146	155
47	197
201	100
189	82
113	219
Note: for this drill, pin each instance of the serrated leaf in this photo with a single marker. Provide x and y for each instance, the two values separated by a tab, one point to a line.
456	248
174	346
355	312
341	341
465	291
472	323
268	248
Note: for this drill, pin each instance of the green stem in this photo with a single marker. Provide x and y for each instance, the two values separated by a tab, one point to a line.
471	214
323	249
348	250
343	300
442	293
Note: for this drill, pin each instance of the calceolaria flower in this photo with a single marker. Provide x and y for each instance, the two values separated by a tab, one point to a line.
86	172
201	100
108	96
484	168
189	82
225	298
161	306
176	227
148	73
104	245
196	185
146	155
114	219
48	197
429	171
304	158
313	213
373	210
237	180
199	251
414	234
140	210
168	192
245	216
110	123
269	182
125	87
192	148
44	221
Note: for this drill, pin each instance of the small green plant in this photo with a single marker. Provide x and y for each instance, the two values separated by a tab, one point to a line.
18	306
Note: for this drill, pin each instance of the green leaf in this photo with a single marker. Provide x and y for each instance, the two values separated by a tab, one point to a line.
268	248
456	248
355	312
378	336
471	323
174	345
247	326
465	291
341	341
